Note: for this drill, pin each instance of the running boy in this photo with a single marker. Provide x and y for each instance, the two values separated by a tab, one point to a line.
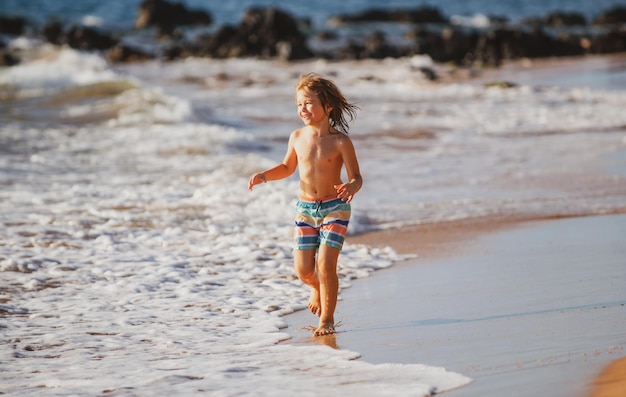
319	150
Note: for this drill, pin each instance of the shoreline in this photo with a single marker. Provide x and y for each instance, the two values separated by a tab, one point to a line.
480	339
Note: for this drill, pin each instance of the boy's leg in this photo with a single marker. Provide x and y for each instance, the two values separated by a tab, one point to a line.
328	288
304	264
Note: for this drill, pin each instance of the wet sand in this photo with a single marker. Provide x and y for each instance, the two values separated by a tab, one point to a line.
522	307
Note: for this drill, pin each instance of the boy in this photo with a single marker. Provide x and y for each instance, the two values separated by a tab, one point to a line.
319	150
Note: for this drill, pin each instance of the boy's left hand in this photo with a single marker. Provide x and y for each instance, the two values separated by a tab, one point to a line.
345	192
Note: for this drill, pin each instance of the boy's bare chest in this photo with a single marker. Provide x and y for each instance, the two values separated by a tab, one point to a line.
316	151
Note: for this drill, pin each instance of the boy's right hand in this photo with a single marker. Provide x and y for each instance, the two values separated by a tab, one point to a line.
256	179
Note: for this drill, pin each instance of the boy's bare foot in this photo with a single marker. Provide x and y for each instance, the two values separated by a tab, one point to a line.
315	305
324	329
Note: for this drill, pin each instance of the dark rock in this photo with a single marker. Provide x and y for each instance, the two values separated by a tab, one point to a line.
613	16
376	47
166	16
425	41
176	51
500	44
165	32
423	14
507	44
79	37
124	53
12	25
222	44
218	45
455	45
53	32
428	73
327	35
568	44
86	38
265	33
557	19
566	19
7	58
491	48
610	42
350	51
449	45
473	46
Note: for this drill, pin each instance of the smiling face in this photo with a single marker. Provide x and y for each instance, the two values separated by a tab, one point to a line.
310	109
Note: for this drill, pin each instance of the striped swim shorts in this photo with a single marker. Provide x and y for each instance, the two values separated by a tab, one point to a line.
321	222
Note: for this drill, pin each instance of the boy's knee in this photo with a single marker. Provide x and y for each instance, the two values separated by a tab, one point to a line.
326	267
304	271
304	274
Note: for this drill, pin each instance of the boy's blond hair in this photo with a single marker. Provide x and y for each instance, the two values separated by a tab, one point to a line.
329	96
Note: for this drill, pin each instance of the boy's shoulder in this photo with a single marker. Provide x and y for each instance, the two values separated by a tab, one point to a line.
295	134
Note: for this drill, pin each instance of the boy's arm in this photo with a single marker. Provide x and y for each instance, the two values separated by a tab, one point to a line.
347	190
280	171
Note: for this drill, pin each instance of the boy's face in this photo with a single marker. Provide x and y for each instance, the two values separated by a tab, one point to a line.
310	108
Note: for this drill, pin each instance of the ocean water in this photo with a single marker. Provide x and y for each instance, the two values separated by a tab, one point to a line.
121	13
134	261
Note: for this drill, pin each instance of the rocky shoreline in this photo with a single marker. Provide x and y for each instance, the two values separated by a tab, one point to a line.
271	33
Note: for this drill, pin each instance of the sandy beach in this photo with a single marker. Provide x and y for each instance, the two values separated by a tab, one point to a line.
522	307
